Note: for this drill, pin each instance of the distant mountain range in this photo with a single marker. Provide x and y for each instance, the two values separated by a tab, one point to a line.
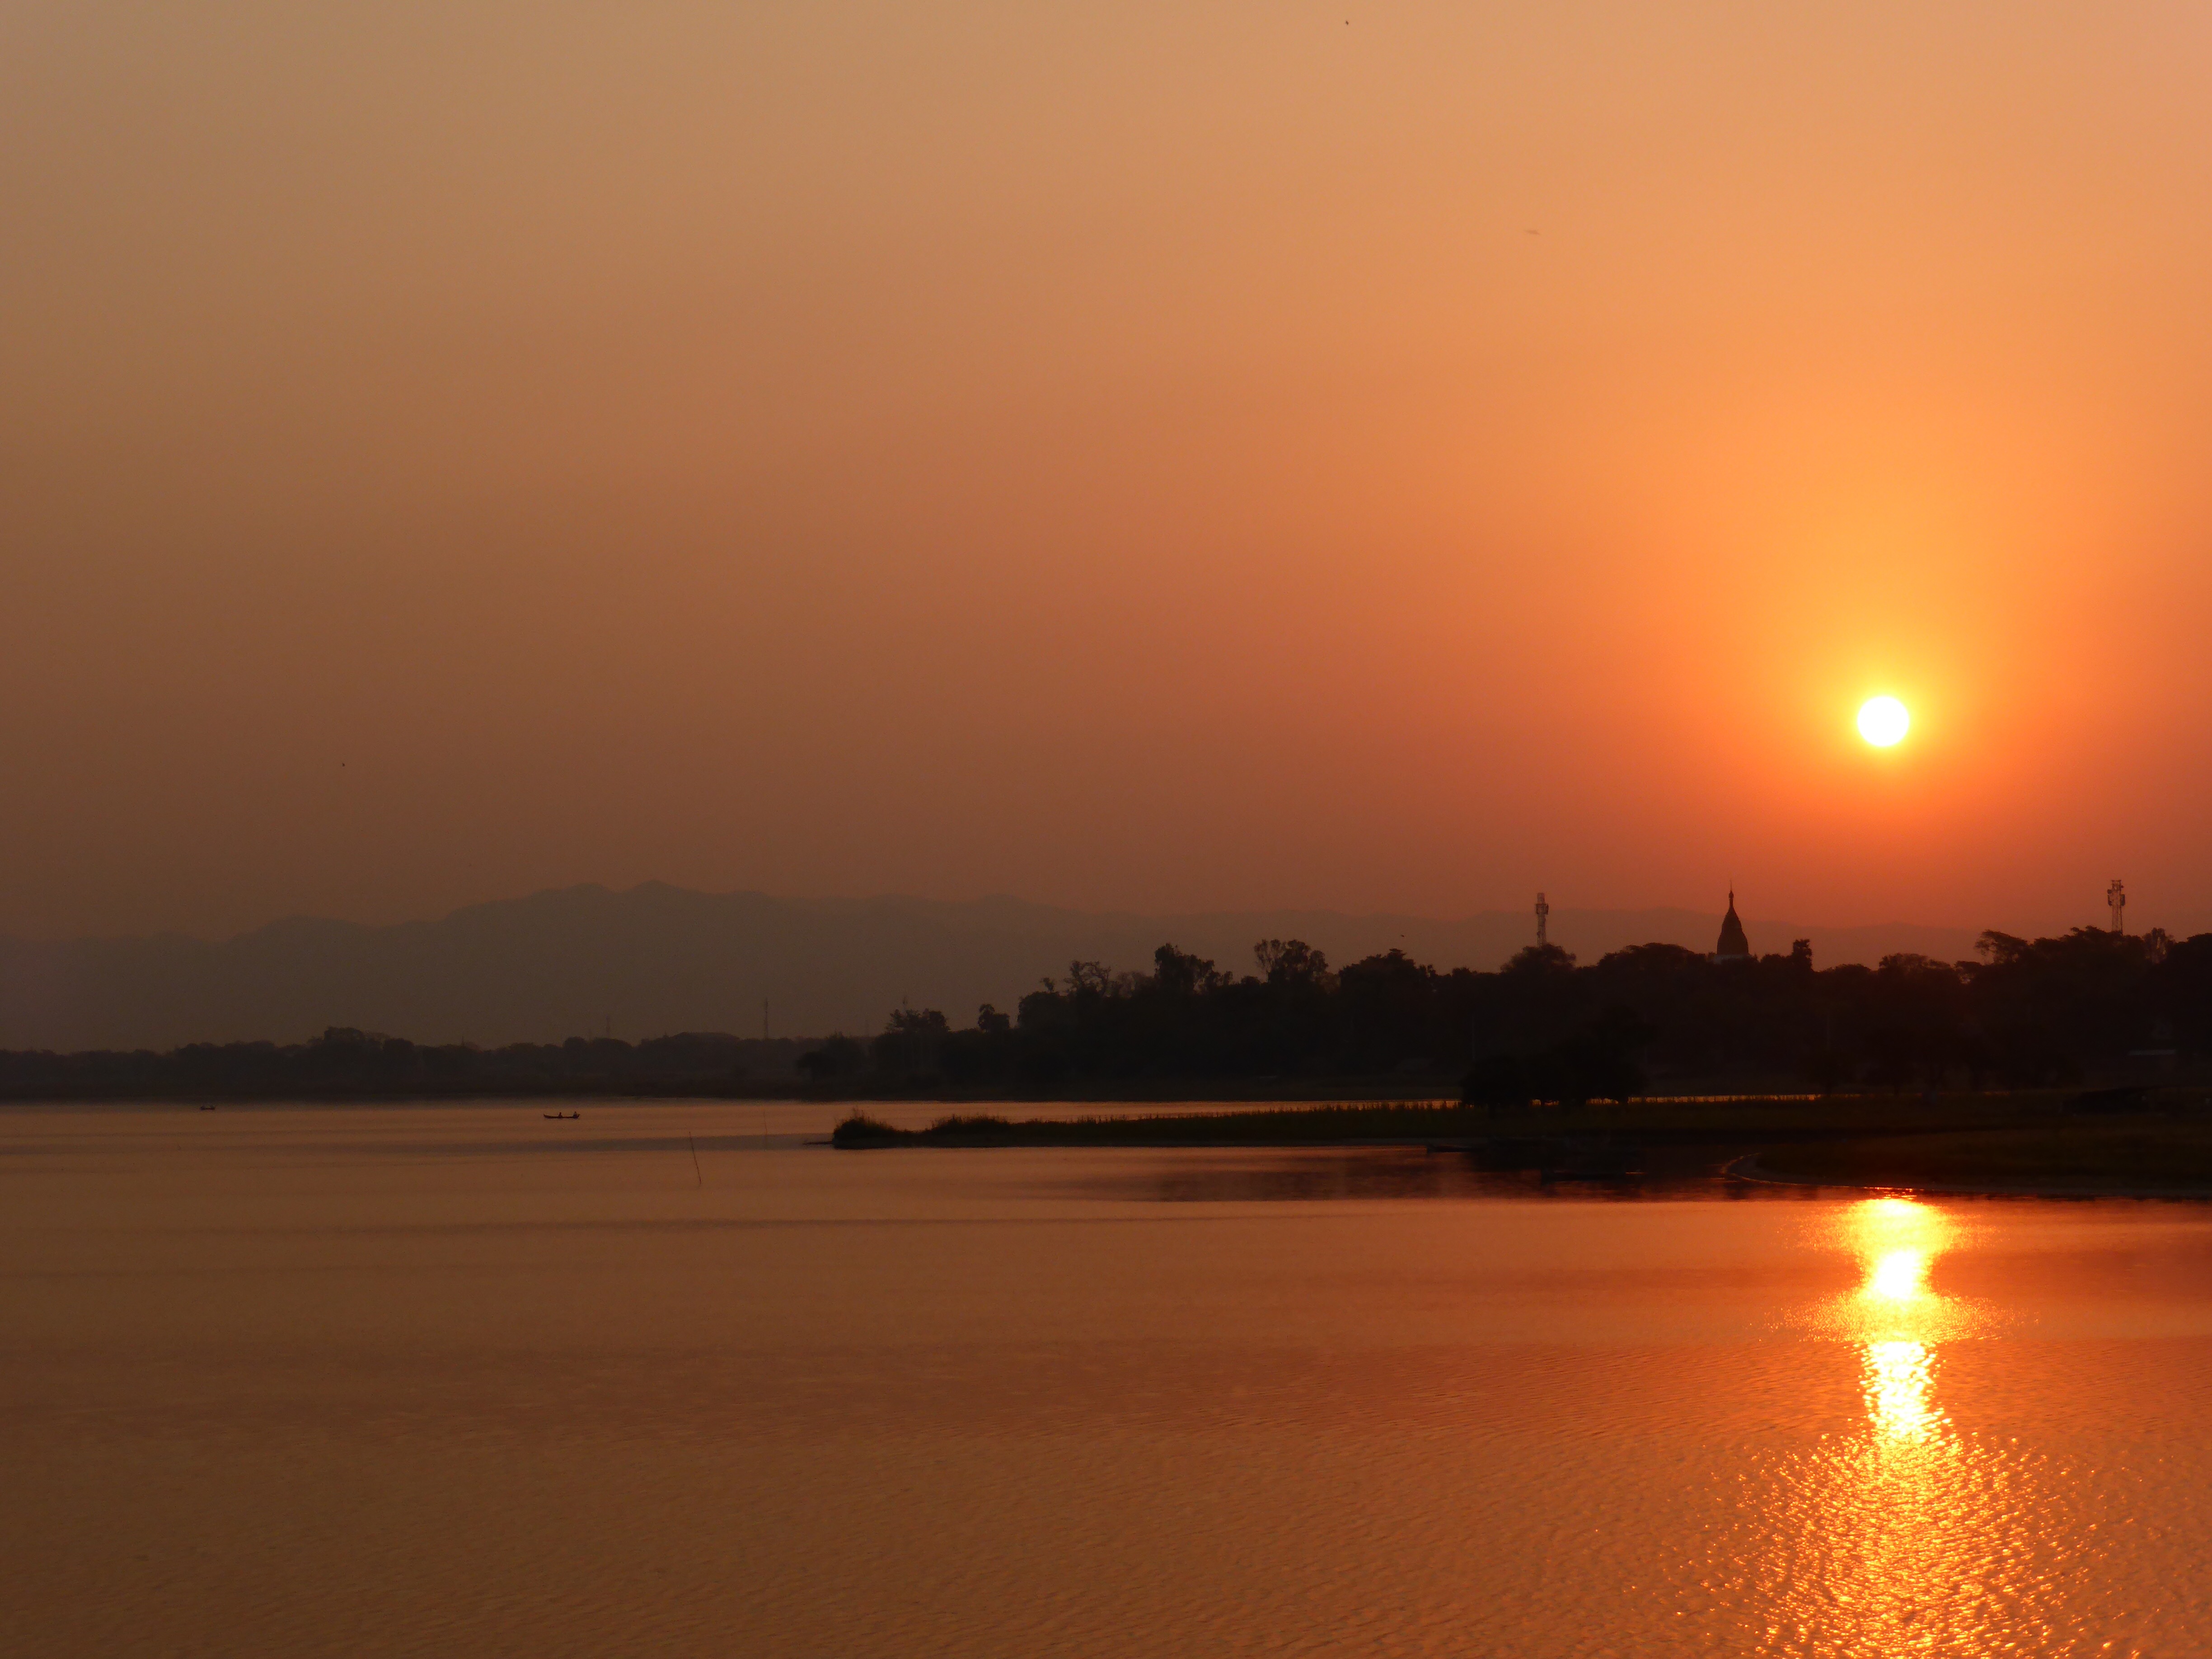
658	959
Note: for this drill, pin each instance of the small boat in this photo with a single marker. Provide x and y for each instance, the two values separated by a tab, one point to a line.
559	1117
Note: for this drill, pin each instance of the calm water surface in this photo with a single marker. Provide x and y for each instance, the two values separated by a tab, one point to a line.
431	1381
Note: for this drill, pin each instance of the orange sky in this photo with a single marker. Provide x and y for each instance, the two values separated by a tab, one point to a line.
1151	457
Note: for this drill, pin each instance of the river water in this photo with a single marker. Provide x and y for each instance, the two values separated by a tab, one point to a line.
665	1380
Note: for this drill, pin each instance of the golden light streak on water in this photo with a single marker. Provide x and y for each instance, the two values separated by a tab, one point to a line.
1898	1316
1900	1390
1912	1536
1898	1276
1898	1239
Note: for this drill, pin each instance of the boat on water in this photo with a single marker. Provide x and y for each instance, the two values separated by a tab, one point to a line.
556	1117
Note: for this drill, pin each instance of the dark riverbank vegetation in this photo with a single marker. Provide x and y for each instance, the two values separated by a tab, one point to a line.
1657	1020
2047	1013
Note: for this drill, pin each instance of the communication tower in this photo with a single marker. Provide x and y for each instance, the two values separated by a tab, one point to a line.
1542	910
2116	898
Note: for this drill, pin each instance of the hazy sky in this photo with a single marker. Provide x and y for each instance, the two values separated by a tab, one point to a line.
1149	455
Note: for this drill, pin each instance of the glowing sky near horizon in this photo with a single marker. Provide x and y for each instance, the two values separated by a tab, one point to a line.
1156	457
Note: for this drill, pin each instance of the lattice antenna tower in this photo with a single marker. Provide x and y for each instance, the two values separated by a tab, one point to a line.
2116	899
1542	910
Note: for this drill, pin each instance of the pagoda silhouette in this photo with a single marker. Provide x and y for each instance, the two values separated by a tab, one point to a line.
1733	946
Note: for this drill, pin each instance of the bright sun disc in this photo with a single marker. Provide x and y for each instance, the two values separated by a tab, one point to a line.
1883	721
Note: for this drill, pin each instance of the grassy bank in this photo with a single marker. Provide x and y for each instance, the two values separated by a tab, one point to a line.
1333	1124
2041	1142
1722	1126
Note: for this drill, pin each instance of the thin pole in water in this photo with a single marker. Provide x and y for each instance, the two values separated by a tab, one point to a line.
693	1140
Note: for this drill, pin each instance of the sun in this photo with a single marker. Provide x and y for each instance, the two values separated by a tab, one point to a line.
1883	721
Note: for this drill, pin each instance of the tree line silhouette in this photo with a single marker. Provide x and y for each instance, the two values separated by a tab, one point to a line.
2025	1013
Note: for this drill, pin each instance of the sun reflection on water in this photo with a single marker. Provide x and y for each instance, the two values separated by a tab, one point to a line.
1898	1276
1898	1241
1900	1537
1900	1389
1895	1317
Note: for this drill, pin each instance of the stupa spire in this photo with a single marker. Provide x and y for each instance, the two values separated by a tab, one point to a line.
1733	944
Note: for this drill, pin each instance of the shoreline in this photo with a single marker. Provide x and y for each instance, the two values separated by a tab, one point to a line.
2052	1148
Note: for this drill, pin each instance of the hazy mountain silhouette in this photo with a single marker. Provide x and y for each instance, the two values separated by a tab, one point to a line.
658	959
